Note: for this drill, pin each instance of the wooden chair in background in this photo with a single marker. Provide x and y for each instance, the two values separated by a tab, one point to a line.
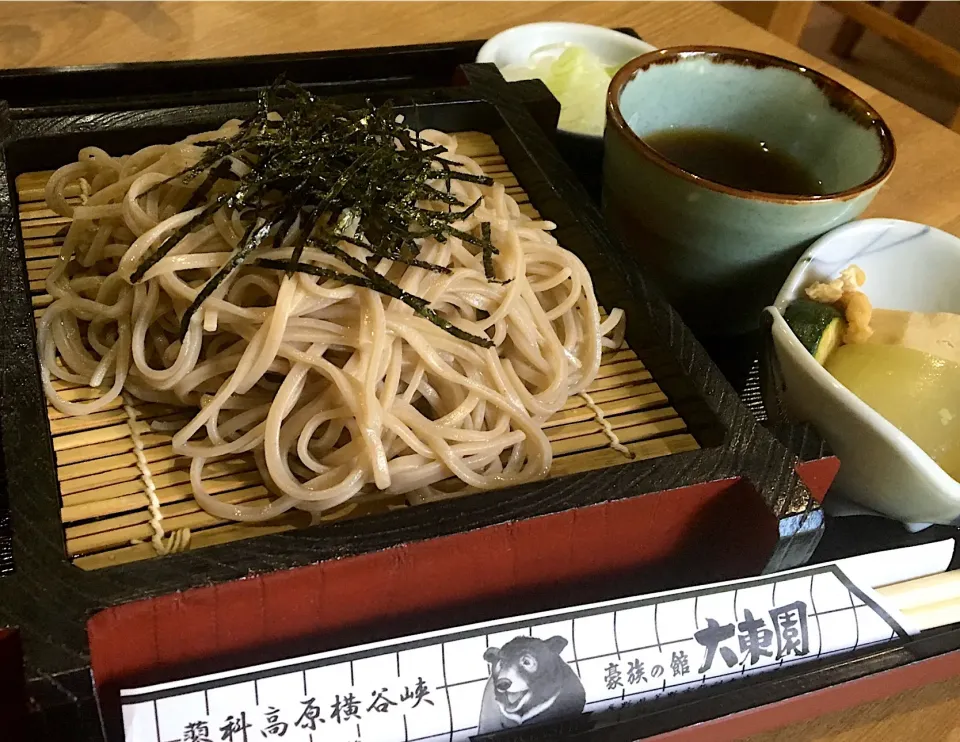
790	18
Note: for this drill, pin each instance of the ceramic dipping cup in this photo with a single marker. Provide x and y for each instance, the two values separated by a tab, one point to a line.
720	253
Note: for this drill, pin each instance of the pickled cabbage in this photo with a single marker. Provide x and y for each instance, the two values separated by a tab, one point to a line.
917	392
577	78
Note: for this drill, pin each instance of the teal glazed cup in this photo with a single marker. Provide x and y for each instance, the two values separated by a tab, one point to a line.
720	254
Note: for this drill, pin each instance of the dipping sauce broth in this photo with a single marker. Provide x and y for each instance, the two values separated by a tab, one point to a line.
735	161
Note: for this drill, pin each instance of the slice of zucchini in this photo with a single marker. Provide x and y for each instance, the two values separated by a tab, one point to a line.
818	327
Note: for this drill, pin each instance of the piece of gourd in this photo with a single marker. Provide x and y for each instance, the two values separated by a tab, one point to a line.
919	393
818	327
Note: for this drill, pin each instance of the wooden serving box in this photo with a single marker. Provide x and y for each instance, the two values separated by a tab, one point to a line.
710	495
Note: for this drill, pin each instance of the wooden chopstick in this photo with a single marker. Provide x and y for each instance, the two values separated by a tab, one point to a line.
928	602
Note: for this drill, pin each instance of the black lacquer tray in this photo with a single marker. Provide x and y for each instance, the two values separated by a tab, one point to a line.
50	113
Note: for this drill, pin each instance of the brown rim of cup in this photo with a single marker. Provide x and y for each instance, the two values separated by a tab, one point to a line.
841	97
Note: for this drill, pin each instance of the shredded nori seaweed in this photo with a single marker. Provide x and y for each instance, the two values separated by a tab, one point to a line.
374	281
339	174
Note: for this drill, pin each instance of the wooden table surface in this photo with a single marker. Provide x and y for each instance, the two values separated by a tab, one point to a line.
924	187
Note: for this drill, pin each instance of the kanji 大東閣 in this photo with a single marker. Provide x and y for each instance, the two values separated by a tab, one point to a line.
710	638
790	624
755	638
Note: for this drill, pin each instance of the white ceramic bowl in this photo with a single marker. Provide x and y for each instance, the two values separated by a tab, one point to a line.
908	266
515	45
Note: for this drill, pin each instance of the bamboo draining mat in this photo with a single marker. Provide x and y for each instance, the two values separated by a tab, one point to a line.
103	505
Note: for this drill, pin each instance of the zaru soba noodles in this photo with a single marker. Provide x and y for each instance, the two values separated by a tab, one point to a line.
354	303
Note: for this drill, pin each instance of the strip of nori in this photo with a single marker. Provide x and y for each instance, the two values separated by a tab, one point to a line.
319	163
251	241
487	251
369	280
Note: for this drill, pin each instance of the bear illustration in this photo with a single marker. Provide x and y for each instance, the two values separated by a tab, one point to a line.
529	683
